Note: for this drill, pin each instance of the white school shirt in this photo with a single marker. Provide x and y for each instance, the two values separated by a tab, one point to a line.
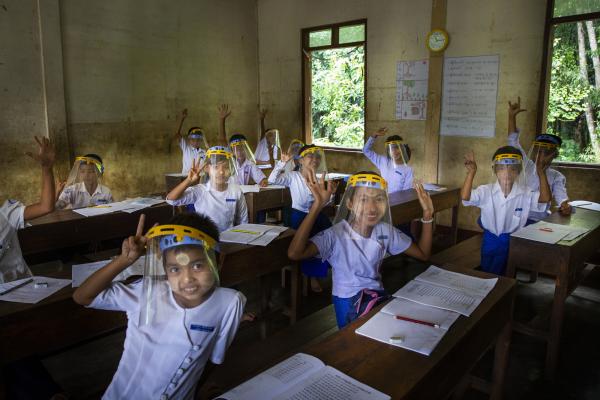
504	215
262	151
226	209
12	264
302	198
249	170
397	177
556	180
356	260
165	359
77	196
189	155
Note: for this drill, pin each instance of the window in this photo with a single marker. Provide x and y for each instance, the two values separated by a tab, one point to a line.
571	88
334	84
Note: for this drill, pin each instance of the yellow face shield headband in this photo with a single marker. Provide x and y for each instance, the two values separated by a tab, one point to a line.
177	235
311	150
545	145
90	160
396	142
508	159
223	153
368	180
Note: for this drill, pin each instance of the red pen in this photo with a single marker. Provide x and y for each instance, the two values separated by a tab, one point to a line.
546	229
416	321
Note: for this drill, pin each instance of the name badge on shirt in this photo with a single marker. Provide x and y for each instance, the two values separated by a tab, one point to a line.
202	328
101	201
230	200
398	172
518	211
382	237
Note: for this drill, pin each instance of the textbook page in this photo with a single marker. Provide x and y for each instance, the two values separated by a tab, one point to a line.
454	280
31	294
276	379
331	384
409	309
254	234
385	328
440	297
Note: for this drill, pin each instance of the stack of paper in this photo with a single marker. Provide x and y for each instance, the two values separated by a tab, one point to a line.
254	234
30	292
80	272
250	188
547	232
588	205
432	187
128	206
140	203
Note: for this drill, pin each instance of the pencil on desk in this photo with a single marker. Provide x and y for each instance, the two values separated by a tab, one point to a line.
16	287
416	321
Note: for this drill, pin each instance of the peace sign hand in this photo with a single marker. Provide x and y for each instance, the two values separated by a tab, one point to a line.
135	246
195	172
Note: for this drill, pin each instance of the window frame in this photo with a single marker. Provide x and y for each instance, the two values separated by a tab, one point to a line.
544	89
305	50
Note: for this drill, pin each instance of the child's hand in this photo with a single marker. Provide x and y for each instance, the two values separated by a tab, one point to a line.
195	172
320	191
263	183
59	185
542	162
425	201
134	246
184	114
515	108
285	157
380	132
262	112
470	163
46	154
565	208
224	111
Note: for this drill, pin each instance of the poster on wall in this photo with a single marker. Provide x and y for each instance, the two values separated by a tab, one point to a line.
411	89
469	95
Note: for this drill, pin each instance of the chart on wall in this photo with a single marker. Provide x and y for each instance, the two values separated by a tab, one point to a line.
411	89
469	94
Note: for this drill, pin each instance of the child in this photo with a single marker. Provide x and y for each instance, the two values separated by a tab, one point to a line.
358	241
193	145
244	159
268	148
178	316
83	187
13	215
546	148
223	201
294	152
311	161
393	166
504	204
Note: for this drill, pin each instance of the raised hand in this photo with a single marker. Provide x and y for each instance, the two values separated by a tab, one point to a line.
195	172
470	163
285	157
184	114
262	113
515	108
224	111
320	190
380	132
134	246
425	201
46	153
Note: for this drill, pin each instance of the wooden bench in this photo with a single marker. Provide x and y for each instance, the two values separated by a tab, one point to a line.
465	254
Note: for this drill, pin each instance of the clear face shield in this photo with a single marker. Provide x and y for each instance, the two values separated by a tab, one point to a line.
241	151
365	212
86	170
313	159
220	167
542	153
180	262
294	148
195	138
508	169
398	152
272	137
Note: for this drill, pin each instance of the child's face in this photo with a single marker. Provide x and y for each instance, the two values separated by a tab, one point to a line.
195	143
240	153
88	174
396	153
271	138
189	274
507	174
368	206
311	160
220	172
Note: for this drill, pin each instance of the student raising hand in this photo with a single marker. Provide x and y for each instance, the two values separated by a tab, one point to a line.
470	162
425	201
224	111
46	154
285	157
513	110
196	171
135	246
320	189
380	132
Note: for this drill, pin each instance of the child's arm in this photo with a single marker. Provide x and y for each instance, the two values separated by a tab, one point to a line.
131	249
224	112
471	165
263	114
514	109
559	192
177	134
300	247
422	250
368	148
276	177
45	157
545	193
192	179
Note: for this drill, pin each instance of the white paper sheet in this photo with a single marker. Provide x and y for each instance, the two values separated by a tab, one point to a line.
254	234
453	280
250	188
440	297
433	187
588	205
406	308
264	166
416	337
29	293
547	232
80	272
336	176
275	187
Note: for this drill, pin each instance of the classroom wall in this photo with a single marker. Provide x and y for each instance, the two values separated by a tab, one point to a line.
129	67
396	32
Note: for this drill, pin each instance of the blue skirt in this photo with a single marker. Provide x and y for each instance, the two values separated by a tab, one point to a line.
312	267
494	251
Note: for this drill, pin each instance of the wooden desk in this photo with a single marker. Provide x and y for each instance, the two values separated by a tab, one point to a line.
565	262
404	374
405	206
58	322
266	199
65	228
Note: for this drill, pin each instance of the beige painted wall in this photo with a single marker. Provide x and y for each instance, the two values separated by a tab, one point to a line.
129	67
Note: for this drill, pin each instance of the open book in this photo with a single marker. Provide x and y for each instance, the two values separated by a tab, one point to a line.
302	377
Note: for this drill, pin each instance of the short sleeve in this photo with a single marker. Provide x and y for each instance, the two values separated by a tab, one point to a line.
257	174
190	196
119	297
399	242
231	322
559	188
477	196
277	178
324	241
14	211
65	198
241	212
534	204
182	144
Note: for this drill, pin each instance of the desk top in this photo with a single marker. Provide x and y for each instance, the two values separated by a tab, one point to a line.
404	196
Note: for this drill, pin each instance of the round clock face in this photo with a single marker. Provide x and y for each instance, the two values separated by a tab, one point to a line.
437	41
